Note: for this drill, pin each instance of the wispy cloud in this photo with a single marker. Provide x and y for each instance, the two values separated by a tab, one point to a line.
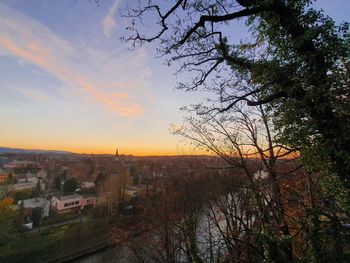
97	76
35	94
109	23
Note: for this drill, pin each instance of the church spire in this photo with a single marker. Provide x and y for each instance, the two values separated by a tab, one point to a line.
116	157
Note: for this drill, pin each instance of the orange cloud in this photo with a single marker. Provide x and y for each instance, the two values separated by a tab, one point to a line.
40	46
109	99
33	57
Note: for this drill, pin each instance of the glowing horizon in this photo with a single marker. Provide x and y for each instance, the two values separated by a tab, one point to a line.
111	151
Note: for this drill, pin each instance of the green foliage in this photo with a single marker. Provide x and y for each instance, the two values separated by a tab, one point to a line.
11	229
26	194
54	243
57	182
313	244
36	216
313	54
70	186
134	173
55	218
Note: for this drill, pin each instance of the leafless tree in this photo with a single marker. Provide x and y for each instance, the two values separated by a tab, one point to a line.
245	139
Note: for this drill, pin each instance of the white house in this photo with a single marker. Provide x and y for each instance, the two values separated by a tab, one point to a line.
134	191
87	185
261	175
73	202
89	200
42	174
66	203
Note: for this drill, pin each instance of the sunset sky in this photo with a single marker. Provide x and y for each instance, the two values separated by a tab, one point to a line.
68	83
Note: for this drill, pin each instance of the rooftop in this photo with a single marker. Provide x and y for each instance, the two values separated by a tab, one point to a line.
35	202
68	197
135	187
22	184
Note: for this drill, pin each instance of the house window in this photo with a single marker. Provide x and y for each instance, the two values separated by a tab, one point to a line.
76	202
88	201
66	204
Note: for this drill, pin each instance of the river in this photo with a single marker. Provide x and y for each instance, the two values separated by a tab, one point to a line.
112	255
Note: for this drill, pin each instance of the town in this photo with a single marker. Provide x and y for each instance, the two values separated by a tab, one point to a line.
52	190
121	202
49	191
66	184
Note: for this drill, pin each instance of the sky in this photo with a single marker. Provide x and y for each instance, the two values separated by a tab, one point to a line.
67	82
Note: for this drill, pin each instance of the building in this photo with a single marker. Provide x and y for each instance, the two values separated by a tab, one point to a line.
112	179
72	203
42	174
38	202
87	185
88	200
134	191
3	176
21	186
66	203
261	175
19	167
31	178
18	164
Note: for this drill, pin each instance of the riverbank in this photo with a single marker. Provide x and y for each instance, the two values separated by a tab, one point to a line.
84	252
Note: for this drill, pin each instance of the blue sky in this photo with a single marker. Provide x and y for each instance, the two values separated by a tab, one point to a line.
67	82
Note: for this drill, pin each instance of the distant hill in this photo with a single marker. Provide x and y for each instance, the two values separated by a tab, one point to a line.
32	151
